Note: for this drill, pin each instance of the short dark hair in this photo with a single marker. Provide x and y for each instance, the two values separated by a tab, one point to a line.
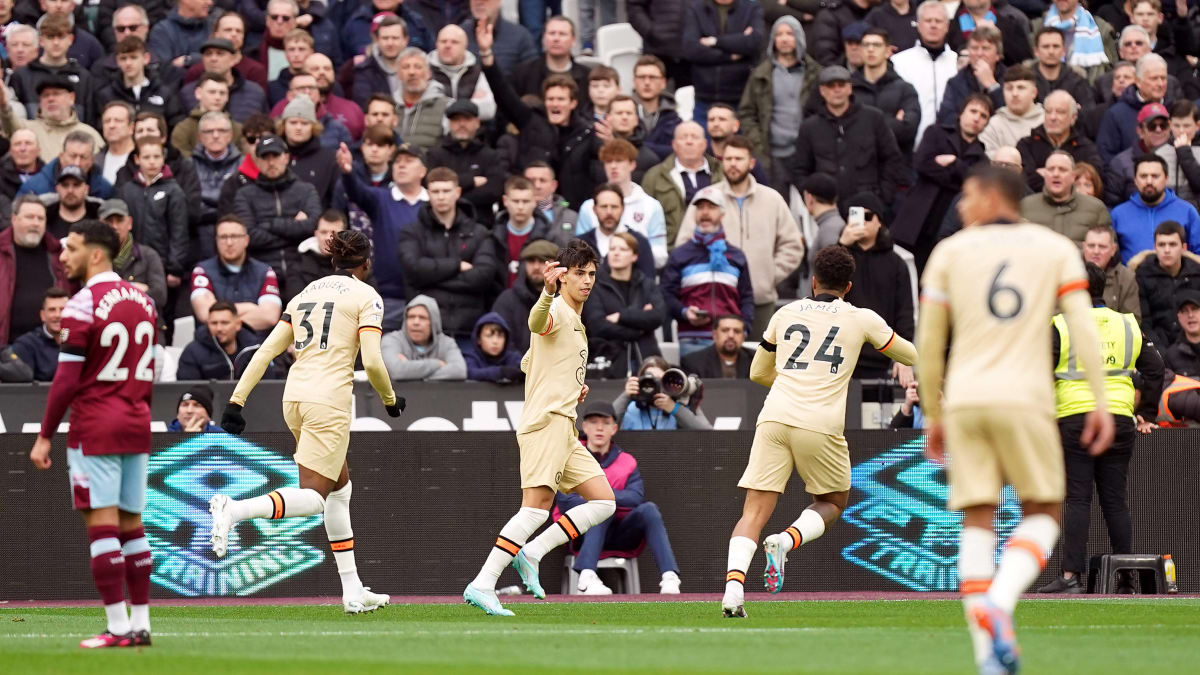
833	267
158	119
223	306
349	249
442	174
1096	280
1168	227
1184	108
1019	73
597	73
96	233
380	98
651	60
1047	30
564	81
1009	185
517	182
210	76
540	164
54	292
577	253
1149	157
335	216
740	141
379	134
608	187
980	98
729	317
131	45
720	106
879	33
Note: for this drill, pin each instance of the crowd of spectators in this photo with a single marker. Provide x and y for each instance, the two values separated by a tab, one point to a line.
226	141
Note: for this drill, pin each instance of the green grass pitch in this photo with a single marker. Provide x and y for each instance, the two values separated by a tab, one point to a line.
917	636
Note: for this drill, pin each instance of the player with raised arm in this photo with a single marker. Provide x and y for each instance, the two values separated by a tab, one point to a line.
994	286
552	458
333	317
807	355
105	376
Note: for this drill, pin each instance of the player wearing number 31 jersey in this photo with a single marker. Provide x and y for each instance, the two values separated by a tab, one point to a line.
327	322
105	375
806	357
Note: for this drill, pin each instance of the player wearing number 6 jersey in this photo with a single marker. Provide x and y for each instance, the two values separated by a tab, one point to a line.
806	357
994	287
105	375
327	322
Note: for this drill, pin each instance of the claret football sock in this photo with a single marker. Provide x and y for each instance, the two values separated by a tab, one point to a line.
282	503
1023	559
341	539
139	563
570	526
808	527
512	537
741	552
108	571
976	566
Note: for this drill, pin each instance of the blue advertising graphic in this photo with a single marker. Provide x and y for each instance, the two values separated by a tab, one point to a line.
911	538
261	552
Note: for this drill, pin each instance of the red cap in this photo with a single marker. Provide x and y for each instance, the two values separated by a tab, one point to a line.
1151	111
375	20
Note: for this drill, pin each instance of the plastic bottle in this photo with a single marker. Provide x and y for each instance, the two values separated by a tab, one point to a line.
1169	573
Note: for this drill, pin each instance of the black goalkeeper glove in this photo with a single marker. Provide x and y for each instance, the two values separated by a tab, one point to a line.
397	408
232	420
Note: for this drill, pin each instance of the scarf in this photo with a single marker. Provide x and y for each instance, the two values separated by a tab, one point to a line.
715	243
966	22
125	254
1085	48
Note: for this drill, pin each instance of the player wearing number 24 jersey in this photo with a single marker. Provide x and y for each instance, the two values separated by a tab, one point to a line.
327	322
105	376
806	357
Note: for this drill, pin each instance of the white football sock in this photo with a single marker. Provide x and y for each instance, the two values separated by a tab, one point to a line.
512	537
341	540
808	527
976	566
139	617
1023	559
118	620
741	552
570	525
282	503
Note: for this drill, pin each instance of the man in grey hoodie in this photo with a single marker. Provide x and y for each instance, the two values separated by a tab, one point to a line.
419	350
772	104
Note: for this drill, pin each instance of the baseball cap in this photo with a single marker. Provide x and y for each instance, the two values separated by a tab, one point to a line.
539	249
378	18
55	83
1185	298
853	32
411	150
462	107
218	43
270	145
202	394
598	408
834	74
1151	111
113	207
71	172
712	194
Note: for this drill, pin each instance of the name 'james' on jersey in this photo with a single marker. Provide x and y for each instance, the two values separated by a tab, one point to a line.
817	342
326	318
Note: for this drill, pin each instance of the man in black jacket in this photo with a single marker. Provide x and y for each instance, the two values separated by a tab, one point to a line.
660	23
722	46
625	309
279	209
55	37
449	257
1161	276
1052	73
726	358
877	85
481	170
827	30
517	224
39	347
983	73
221	349
140	84
1183	357
848	141
1012	24
558	38
515	302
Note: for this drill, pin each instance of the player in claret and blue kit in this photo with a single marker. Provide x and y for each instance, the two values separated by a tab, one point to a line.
105	376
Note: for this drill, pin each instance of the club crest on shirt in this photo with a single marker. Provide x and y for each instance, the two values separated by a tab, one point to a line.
638	216
64	334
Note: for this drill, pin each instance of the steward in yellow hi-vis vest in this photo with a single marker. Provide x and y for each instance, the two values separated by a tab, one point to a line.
1131	363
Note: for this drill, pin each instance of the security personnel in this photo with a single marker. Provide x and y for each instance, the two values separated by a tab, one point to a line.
1124	349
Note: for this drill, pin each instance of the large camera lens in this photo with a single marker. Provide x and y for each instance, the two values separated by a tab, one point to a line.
674	382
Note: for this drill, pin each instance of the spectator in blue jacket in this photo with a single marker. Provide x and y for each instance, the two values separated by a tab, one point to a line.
356	33
39	347
705	278
194	412
222	348
637	521
513	44
390	210
1154	203
492	360
1118	129
77	150
178	37
232	276
722	52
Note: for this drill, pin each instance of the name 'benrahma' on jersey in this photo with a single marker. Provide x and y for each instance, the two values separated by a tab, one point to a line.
817	342
110	327
326	318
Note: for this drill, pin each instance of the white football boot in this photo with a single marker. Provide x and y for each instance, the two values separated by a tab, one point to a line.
366	602
218	506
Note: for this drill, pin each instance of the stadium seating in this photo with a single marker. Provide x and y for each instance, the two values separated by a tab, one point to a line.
685	102
185	330
616	38
624	62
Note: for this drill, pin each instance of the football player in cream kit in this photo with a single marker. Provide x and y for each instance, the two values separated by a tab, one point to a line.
328	322
552	458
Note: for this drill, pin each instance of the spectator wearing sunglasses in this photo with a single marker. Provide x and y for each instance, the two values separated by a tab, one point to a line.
1153	137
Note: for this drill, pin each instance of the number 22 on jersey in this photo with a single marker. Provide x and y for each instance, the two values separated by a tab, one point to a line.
307	308
823	353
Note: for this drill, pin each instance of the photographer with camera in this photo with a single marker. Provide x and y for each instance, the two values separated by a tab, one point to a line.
661	398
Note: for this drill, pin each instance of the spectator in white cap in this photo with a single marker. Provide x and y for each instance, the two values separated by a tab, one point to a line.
705	277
